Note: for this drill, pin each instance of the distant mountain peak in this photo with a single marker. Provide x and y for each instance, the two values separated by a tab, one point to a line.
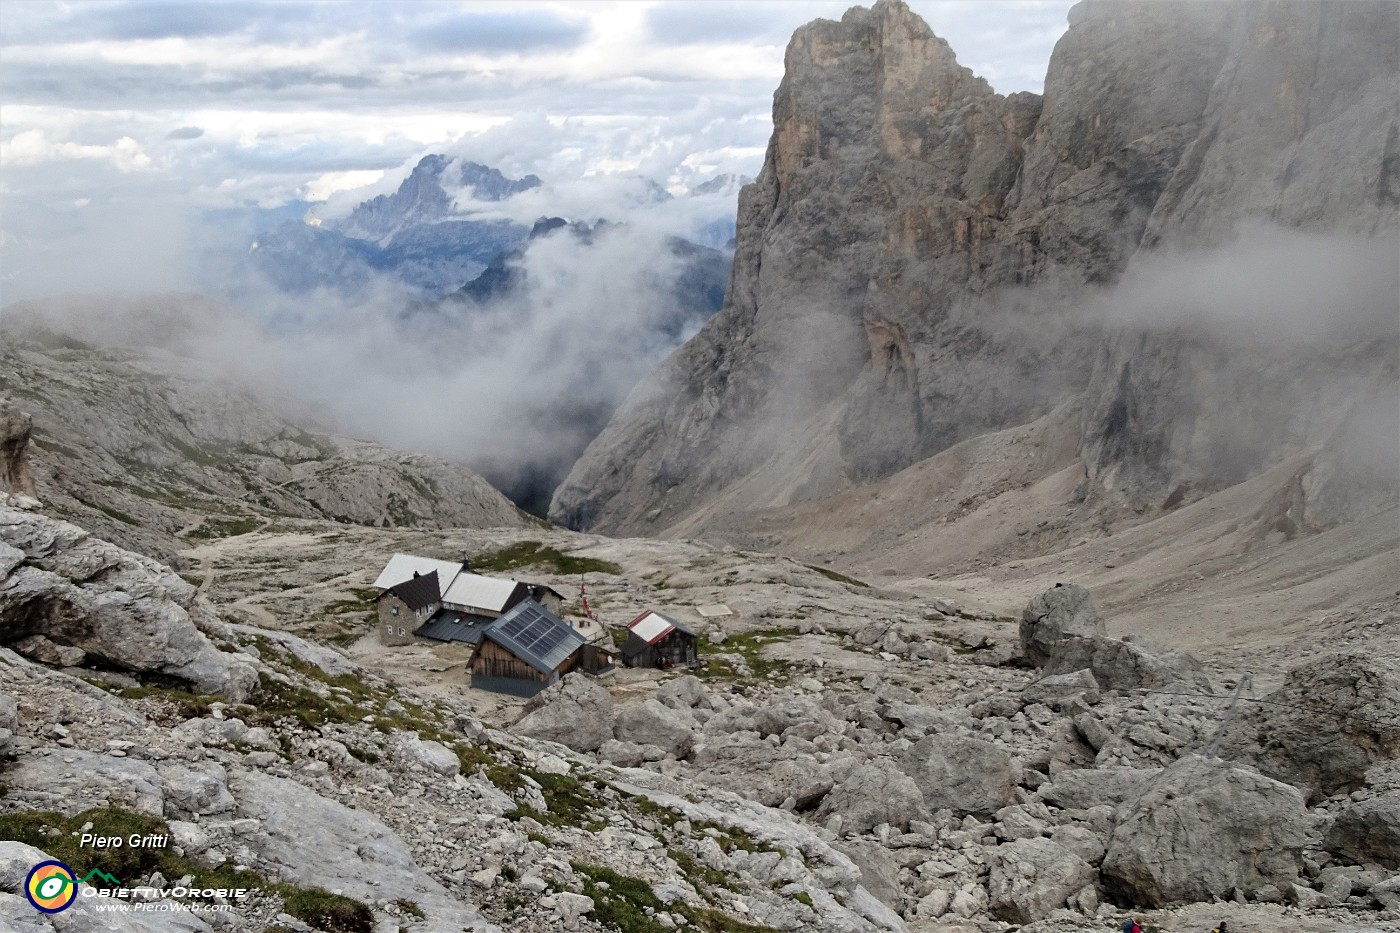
427	195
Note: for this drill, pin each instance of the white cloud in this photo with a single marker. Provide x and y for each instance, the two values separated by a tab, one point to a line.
319	189
30	147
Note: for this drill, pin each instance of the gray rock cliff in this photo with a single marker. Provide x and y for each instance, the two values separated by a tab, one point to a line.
922	261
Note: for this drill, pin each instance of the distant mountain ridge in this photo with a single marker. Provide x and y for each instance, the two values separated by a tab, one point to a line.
419	237
423	197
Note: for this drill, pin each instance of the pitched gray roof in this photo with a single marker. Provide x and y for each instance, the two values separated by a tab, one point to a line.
417	592
531	633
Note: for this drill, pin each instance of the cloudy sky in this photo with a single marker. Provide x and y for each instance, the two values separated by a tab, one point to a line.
118	115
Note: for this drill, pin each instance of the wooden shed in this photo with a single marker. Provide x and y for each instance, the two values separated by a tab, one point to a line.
654	640
524	651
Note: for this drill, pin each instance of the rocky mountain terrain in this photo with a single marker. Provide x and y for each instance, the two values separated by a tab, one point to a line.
1083	310
850	758
1113	627
145	450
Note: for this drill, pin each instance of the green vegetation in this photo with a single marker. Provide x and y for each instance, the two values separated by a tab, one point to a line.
570	803
535	554
802	897
225	526
186	705
110	512
748	647
622	902
838	577
57	835
410	908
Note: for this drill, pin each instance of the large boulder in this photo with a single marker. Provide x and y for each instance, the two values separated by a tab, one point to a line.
685	692
1202	829
871	795
1060	690
16	476
800	714
772	777
651	723
1332	719
962	774
1368	831
1122	664
1080	789
576	712
121	609
1031	877
1063	611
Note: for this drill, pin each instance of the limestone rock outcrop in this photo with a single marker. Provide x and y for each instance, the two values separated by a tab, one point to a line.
873	794
1202	829
1061	612
118	608
1031	877
153	460
1063	632
1331	721
16	476
965	775
576	712
1369	831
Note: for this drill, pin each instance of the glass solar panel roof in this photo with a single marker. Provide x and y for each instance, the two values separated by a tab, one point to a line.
535	636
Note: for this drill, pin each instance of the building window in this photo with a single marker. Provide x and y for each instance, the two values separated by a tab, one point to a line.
393	610
401	631
388	630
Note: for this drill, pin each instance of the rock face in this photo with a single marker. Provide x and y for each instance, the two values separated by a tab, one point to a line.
140	457
1202	829
1063	632
653	723
575	712
1369	831
912	259
871	795
1060	612
1331	720
15	473
1031	877
124	610
965	775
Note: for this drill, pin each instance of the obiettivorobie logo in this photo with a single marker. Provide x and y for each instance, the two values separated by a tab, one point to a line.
51	887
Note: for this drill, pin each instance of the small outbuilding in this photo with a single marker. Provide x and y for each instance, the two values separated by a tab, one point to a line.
524	651
654	640
404	607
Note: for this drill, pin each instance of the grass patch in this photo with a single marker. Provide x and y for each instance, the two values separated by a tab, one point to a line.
622	902
108	511
838	577
187	705
535	554
56	834
570	802
224	527
748	647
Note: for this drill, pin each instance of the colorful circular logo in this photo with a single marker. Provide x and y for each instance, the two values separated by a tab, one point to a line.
51	887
